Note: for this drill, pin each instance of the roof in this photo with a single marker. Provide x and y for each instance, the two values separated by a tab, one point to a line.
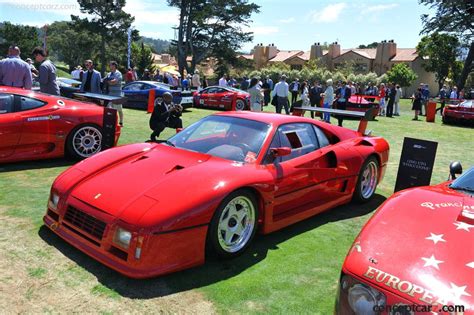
405	54
283	55
247	56
368	53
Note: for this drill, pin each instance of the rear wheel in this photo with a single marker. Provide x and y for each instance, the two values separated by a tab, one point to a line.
367	180
84	141
234	224
239	104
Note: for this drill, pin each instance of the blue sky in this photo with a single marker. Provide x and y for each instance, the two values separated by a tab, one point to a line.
289	24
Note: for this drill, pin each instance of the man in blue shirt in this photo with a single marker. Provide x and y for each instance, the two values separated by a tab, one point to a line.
14	71
425	93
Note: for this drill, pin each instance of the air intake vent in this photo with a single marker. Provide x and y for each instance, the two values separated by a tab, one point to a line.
85	222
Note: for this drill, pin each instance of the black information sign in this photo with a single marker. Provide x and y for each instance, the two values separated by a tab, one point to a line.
108	127
416	163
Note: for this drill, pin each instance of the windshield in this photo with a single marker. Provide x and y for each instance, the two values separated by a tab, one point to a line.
465	181
227	137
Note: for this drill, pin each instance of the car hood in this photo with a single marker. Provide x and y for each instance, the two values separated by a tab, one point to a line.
424	237
164	178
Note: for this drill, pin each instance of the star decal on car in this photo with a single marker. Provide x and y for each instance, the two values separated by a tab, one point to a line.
463	226
436	238
432	262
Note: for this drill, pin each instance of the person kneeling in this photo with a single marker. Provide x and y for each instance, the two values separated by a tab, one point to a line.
165	115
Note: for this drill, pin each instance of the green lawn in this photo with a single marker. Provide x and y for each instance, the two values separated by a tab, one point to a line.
291	271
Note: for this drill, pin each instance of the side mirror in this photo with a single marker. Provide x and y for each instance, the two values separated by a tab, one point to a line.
178	130
283	151
455	168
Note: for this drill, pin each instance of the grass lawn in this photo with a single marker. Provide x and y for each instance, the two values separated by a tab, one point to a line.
291	271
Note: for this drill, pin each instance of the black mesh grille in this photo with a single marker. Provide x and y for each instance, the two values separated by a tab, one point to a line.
85	222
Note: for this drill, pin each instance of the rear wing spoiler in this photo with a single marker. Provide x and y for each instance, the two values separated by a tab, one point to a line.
364	116
100	97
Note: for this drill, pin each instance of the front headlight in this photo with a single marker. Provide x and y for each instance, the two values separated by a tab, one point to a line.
122	237
53	201
358	298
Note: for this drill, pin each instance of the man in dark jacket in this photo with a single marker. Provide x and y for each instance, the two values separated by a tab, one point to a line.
392	92
315	95
343	93
165	115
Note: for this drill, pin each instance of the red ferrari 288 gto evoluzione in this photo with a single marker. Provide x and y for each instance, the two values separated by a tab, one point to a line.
148	209
35	126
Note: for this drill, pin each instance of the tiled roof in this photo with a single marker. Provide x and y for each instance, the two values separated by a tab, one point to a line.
249	56
283	55
405	54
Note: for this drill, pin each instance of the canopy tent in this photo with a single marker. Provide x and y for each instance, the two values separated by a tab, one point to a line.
170	69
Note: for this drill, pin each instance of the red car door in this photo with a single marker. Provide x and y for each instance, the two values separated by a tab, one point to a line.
204	97
10	125
225	99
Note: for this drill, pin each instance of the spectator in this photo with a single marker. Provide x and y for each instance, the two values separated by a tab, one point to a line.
205	84
328	100
398	96
232	82
281	92
165	115
185	83
392	93
76	73
443	95
129	76
244	85
146	75
91	79
343	94
425	92
416	99
114	82
461	94
294	88
223	81
382	99
304	94
158	77
315	95
256	96
352	87
454	93
267	89
14	71
135	75
47	72
196	80
34	71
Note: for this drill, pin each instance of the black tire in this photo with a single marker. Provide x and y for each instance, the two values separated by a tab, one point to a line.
239	104
84	141
363	193
216	236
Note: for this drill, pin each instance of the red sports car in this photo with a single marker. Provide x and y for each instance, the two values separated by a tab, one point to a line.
462	113
34	125
415	255
226	98
213	185
361	103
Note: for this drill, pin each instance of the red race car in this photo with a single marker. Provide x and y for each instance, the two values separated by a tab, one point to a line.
213	185
361	103
218	97
459	113
40	126
415	255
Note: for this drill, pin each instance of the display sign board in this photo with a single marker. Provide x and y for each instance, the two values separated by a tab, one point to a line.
108	130
416	163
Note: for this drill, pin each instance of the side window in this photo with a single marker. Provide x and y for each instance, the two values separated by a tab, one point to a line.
322	139
133	87
146	87
27	103
6	103
299	137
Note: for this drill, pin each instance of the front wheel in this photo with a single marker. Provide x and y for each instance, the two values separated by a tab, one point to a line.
239	105
84	141
234	224
367	180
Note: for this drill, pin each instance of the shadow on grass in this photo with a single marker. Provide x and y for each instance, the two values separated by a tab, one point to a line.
39	164
213	270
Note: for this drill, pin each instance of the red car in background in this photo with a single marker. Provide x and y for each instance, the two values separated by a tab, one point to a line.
35	126
211	186
459	113
415	255
362	103
218	97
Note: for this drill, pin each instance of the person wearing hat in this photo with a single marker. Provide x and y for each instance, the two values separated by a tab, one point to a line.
34	71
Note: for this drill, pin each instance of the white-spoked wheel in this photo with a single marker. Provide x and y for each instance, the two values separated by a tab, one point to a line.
234	224
85	142
367	181
239	105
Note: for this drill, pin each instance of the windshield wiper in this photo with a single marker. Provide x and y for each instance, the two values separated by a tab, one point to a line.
171	144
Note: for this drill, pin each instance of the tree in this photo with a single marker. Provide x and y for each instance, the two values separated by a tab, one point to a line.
401	74
441	51
453	17
143	59
109	21
372	45
158	46
206	26
24	36
72	52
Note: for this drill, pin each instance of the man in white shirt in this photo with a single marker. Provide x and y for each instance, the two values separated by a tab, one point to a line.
223	81
281	92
